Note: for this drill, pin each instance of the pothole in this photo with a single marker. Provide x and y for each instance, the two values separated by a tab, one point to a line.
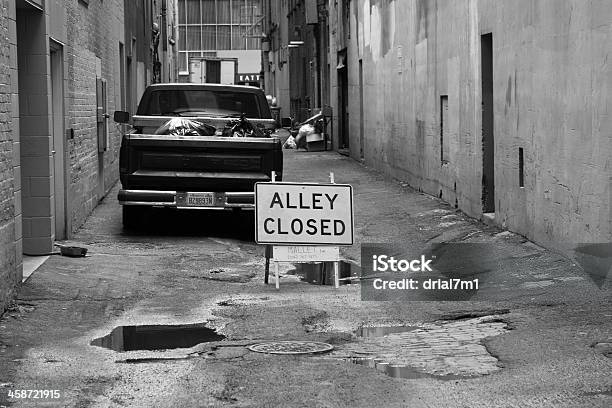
232	275
398	370
380	331
443	350
243	301
470	314
604	348
157	337
392	370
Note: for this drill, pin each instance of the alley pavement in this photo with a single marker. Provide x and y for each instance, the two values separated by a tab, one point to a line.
541	339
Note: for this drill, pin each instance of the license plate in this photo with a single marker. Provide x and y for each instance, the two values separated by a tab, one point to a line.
200	199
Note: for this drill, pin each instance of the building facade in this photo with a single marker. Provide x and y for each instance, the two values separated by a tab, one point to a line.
150	48
295	56
63	71
62	81
275	53
216	31
501	108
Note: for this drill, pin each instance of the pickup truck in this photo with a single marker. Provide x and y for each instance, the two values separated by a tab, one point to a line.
217	171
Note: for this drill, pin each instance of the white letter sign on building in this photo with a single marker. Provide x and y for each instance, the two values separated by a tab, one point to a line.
301	213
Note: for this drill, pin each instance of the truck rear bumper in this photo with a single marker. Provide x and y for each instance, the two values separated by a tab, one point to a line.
179	199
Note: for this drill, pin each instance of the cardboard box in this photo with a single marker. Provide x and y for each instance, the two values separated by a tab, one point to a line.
315	142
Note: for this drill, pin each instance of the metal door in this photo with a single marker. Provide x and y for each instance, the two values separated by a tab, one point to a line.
102	119
102	115
213	71
58	134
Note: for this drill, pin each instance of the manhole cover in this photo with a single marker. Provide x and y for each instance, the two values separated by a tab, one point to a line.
291	347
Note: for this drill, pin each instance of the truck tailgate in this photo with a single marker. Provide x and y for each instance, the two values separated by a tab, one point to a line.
197	163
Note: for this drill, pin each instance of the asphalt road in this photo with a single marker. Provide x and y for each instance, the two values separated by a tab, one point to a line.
540	338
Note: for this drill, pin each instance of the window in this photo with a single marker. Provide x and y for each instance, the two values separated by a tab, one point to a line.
238	38
223	103
209	38
254	40
183	38
238	12
224	37
193	12
182	15
210	25
224	14
194	36
209	12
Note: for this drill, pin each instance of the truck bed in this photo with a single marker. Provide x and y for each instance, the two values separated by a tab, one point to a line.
162	169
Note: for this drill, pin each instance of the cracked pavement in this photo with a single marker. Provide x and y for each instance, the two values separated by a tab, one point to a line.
541	340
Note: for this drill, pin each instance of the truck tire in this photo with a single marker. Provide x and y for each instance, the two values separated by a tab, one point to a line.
133	216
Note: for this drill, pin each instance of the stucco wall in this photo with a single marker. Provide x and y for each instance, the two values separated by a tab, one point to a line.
551	97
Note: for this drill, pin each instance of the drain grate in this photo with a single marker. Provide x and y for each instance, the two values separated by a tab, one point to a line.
291	347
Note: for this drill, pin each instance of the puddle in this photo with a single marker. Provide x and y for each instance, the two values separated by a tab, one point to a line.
157	337
604	348
322	273
383	330
392	370
399	371
444	350
150	360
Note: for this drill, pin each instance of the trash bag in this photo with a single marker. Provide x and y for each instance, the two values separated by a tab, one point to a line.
305	130
185	127
289	143
243	128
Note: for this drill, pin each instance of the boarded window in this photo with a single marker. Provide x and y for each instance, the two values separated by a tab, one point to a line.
444	131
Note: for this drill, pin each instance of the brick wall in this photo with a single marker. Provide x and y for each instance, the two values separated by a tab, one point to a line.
10	271
15	127
92	50
88	40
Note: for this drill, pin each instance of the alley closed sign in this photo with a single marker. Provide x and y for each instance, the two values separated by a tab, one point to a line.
301	213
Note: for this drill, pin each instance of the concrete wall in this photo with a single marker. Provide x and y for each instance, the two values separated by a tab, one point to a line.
249	61
35	132
551	97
